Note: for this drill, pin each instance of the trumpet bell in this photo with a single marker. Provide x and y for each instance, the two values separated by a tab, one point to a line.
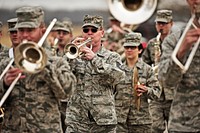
71	51
132	11
30	57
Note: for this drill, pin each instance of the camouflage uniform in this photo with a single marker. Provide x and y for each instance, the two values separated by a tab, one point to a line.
66	27
159	108
129	118
184	113
115	37
1	47
32	107
92	106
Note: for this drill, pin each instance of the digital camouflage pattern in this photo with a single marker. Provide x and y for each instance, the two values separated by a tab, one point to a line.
92	106
29	17
33	105
96	21
185	108
132	39
158	108
148	55
11	24
164	16
127	113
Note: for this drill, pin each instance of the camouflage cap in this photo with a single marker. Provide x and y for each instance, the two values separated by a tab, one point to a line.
65	26
29	17
1	25
96	21
164	16
11	24
133	39
56	25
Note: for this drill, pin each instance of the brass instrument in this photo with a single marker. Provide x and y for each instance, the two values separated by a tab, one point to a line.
189	25
54	47
3	99
135	84
157	53
72	50
30	58
1	115
130	11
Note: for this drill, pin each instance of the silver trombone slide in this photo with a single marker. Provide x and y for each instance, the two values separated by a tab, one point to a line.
3	99
192	53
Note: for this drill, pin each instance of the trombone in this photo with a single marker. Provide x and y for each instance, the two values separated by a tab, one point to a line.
72	50
192	53
26	54
30	56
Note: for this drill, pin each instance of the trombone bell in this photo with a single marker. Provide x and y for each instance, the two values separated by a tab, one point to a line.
30	57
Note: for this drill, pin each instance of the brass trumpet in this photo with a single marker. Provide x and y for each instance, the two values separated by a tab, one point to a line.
72	50
192	53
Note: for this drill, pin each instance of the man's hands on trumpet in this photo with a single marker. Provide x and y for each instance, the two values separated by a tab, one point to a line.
88	53
11	75
86	50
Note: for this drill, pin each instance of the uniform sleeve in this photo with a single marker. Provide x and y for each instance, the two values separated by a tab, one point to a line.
109	66
4	61
146	55
154	89
60	78
169	72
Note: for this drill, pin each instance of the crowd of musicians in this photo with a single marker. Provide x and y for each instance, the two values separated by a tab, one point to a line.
105	80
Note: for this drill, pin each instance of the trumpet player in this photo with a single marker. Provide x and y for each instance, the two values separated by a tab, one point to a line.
65	35
33	103
159	108
92	106
184	113
140	85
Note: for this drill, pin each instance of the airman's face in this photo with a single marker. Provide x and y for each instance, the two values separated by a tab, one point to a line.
30	34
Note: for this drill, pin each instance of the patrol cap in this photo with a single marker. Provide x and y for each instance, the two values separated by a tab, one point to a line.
56	25
96	21
1	25
62	26
11	24
133	39
65	26
164	16
29	17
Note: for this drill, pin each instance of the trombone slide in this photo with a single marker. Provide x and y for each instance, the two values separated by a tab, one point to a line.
3	99
192	53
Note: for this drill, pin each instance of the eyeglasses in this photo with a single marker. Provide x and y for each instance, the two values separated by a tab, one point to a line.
86	30
13	32
130	47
